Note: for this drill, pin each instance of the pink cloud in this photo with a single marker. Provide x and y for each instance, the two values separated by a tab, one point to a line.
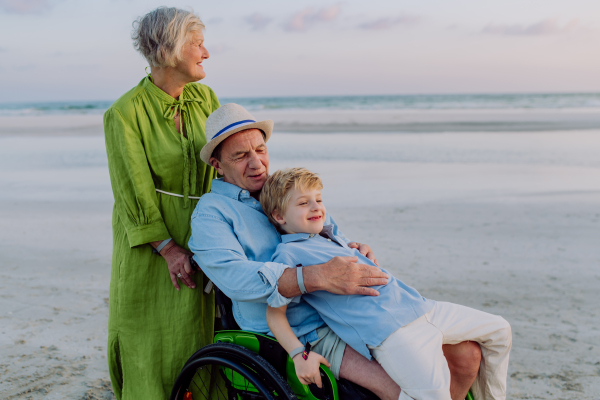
386	23
308	17
548	26
24	6
329	14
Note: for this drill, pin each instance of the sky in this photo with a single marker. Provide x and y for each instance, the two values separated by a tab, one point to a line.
64	50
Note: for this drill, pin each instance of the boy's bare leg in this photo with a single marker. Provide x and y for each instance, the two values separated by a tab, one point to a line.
463	361
368	374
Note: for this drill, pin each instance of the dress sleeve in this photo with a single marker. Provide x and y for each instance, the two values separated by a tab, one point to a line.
131	180
214	100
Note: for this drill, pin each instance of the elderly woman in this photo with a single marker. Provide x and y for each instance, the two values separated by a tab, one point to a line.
154	134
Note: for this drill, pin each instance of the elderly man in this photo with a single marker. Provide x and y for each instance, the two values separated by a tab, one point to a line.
233	242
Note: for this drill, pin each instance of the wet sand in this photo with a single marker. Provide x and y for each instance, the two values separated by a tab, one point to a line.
504	222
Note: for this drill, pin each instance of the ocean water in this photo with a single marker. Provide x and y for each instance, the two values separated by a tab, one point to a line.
388	102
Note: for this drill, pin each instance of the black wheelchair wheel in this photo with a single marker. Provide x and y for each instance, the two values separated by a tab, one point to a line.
229	371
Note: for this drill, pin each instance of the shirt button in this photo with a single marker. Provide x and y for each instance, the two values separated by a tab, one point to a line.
253	202
243	192
311	235
329	240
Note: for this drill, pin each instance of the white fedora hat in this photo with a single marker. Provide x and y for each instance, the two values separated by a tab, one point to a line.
227	120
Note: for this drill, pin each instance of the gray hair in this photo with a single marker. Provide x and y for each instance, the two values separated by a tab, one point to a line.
161	34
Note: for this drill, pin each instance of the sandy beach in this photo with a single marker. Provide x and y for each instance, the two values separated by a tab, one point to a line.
494	210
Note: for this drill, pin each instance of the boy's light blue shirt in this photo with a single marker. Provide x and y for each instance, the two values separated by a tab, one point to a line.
233	242
357	320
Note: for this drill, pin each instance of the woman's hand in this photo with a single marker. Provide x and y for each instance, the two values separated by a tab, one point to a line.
365	250
308	370
178	261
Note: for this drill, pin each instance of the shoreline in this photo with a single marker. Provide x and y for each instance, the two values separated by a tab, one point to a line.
347	121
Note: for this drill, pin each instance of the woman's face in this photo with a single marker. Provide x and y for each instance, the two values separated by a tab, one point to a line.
194	53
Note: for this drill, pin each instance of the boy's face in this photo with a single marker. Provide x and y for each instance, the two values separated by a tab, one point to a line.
305	213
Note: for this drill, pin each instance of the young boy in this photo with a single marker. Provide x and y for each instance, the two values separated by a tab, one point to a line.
401	329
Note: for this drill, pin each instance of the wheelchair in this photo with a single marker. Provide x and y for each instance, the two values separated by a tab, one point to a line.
243	365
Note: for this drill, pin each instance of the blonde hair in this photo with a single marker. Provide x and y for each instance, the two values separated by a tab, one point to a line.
277	190
161	34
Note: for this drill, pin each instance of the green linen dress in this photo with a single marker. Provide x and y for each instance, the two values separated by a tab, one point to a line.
152	327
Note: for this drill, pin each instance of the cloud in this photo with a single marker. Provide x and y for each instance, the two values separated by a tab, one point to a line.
24	6
387	23
258	21
308	17
3	50
548	26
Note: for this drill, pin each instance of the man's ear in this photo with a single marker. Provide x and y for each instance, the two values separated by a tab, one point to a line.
277	217
216	165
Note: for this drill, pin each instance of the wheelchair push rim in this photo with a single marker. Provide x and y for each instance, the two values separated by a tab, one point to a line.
228	371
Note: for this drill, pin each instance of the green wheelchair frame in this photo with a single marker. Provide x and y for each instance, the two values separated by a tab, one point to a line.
243	365
254	342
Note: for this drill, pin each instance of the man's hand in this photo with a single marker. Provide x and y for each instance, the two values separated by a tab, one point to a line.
342	275
365	250
178	262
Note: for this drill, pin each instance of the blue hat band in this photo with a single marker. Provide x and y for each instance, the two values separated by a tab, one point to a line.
231	126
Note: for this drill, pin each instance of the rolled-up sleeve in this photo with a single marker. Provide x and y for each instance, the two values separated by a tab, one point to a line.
219	253
277	300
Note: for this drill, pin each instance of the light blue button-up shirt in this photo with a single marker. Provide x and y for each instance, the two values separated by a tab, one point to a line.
358	320
233	242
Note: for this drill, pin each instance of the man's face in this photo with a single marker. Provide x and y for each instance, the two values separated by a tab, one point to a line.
305	212
244	160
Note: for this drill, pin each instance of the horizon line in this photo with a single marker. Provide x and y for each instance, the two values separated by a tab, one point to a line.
341	95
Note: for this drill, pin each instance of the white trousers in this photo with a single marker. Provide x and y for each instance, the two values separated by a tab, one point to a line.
413	356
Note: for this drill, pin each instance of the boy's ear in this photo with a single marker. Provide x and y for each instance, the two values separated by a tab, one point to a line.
277	217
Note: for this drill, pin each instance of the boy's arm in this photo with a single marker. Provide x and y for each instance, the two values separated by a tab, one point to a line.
280	326
307	370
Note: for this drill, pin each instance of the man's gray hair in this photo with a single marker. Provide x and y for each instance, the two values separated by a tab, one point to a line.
161	34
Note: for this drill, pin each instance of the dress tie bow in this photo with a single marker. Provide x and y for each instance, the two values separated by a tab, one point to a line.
190	165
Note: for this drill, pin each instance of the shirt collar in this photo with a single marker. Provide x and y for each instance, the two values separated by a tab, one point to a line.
297	237
219	186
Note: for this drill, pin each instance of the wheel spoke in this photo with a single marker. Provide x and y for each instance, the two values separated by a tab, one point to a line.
194	382
235	373
207	389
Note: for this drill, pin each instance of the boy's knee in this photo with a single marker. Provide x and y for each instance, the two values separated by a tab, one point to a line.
463	359
472	360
